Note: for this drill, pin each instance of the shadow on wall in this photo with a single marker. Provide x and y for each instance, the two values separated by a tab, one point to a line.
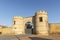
37	38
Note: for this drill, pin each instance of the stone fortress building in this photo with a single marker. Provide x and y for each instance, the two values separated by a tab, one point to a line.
37	24
39	20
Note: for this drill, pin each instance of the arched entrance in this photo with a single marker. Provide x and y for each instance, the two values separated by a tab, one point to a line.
29	28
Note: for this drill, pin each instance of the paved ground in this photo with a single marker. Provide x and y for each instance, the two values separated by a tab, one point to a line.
28	37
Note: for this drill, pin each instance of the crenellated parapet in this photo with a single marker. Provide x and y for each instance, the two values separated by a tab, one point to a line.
42	12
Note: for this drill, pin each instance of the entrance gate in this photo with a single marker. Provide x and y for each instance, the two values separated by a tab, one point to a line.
29	28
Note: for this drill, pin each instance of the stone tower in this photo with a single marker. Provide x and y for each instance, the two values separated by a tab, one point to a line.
41	23
18	25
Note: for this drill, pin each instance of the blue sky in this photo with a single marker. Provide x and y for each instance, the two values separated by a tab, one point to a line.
11	8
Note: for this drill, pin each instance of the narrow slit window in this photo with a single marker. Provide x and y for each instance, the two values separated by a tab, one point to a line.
14	22
0	32
40	19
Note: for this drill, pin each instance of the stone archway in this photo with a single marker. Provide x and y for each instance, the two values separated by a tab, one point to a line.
29	28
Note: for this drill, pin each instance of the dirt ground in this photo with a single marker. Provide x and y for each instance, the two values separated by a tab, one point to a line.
29	37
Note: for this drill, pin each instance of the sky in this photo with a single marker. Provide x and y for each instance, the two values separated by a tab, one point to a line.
25	8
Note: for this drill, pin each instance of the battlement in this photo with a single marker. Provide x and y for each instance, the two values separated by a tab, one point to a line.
18	17
41	12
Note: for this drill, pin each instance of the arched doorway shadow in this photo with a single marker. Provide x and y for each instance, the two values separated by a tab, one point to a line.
29	28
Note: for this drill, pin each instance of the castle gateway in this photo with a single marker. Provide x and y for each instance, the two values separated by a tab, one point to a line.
37	24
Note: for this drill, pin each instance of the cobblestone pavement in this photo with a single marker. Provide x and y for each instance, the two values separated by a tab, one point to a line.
28	37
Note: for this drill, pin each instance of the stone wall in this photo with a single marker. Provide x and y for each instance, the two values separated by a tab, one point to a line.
6	31
54	28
